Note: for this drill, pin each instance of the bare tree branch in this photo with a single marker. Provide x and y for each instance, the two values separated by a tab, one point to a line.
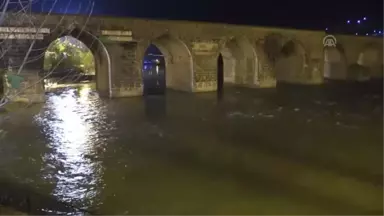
24	15
5	7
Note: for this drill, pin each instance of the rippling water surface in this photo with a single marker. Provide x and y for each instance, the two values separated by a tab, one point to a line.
251	152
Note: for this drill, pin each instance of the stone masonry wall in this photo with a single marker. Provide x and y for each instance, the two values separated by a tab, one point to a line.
256	54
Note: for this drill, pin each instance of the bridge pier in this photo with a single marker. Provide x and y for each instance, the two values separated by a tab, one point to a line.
126	63
22	81
205	76
238	60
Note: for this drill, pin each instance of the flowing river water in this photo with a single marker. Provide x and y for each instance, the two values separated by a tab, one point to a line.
281	151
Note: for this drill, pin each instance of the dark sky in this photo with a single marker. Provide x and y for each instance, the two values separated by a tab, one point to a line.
308	14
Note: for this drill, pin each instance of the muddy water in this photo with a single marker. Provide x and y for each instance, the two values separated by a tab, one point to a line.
284	151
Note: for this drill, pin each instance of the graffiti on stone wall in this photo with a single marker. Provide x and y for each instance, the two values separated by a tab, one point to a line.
128	85
128	57
205	47
116	35
23	33
206	80
205	77
205	85
16	51
130	77
206	71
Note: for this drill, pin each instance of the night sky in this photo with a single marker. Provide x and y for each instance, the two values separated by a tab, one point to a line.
308	14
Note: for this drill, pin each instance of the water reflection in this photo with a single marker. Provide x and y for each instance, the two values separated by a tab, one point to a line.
155	107
256	152
70	123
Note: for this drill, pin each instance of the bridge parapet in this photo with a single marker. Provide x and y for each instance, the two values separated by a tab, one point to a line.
253	56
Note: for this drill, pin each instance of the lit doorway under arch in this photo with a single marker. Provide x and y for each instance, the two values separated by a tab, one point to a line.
154	77
68	61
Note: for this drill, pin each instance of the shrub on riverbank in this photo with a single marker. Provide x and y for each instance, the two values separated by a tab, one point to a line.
13	106
9	211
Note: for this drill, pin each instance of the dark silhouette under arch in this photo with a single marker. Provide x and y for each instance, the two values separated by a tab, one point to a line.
220	74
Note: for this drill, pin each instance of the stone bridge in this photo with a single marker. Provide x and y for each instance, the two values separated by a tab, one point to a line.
253	56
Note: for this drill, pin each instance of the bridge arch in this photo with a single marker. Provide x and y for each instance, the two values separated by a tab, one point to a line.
291	63
335	63
371	58
239	62
100	54
178	62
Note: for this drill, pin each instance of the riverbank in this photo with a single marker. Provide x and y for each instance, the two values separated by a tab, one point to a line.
12	107
5	113
13	112
10	212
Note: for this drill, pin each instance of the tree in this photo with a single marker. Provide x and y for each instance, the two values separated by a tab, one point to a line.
18	13
75	55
